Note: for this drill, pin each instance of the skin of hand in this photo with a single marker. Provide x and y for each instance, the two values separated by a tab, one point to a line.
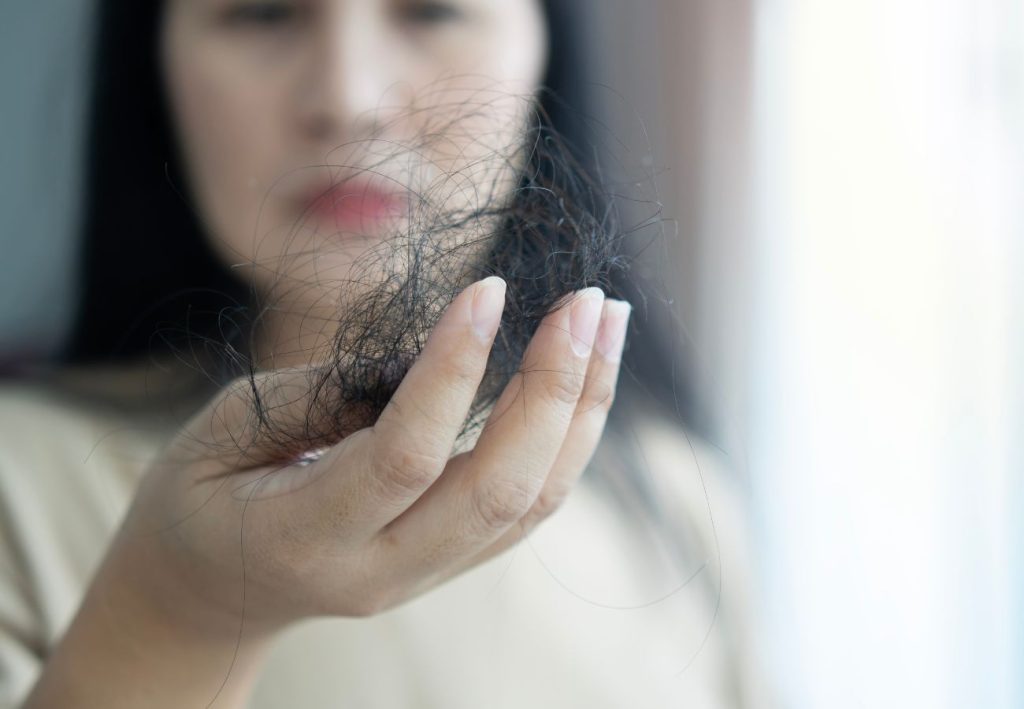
379	519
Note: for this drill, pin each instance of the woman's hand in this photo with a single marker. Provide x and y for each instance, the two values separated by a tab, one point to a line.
384	515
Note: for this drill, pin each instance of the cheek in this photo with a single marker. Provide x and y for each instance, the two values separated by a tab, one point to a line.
476	157
484	106
229	135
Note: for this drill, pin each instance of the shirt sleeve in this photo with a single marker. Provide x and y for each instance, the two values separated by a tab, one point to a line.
62	495
21	643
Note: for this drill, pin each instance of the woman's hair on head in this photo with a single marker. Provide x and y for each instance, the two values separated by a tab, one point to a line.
150	280
145	264
144	261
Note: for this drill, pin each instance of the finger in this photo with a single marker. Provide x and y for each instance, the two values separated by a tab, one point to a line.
494	485
584	433
265	418
387	467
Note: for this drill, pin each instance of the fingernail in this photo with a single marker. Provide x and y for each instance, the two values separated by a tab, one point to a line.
611	337
584	318
488	304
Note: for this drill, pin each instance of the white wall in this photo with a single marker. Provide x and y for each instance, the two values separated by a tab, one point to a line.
885	419
848	183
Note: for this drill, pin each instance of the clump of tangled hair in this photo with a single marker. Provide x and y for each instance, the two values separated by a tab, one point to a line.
554	233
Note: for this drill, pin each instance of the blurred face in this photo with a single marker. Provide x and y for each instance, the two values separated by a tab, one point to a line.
316	133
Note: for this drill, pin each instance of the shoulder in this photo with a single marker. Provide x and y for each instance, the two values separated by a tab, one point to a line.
64	426
54	442
38	415
69	464
698	480
65	478
685	478
699	491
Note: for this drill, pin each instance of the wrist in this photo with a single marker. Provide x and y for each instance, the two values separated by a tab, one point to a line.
140	639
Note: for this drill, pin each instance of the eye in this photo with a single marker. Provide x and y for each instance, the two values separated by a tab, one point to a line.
429	12
261	14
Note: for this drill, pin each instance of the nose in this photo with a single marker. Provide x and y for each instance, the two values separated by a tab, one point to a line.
353	83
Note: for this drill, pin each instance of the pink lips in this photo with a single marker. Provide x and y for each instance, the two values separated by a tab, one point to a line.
356	205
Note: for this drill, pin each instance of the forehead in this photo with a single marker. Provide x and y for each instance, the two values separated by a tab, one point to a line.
497	6
514	28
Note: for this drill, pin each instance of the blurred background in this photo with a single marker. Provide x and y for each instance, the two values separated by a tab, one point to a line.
844	183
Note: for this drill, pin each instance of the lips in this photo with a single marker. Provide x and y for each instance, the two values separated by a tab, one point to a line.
356	204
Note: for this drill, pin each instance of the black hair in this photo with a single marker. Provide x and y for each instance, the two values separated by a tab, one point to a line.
145	262
146	269
148	273
150	278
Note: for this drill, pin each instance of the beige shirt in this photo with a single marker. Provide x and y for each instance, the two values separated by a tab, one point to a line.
589	611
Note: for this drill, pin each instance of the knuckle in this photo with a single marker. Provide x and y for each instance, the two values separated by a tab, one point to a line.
597	396
367	591
403	470
368	605
239	384
563	387
236	387
463	368
551	498
499	504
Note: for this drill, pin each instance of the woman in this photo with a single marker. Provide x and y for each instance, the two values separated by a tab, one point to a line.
394	358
